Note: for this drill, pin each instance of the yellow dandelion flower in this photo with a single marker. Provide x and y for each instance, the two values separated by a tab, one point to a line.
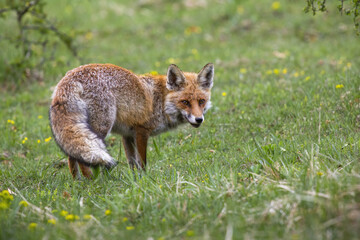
4	205
23	141
171	61
87	216
154	73
11	121
23	203
107	212
89	36
240	10
47	139
275	5
307	78
224	94
319	173
125	219
52	221
5	199
276	71
129	228
6	195
38	141
71	217
64	213
284	71
190	233
243	70
339	86
40	117
32	226
347	67
25	138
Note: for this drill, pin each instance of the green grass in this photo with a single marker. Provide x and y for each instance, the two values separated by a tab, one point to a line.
277	157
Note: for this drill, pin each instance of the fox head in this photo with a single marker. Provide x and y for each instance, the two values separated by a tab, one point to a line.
189	94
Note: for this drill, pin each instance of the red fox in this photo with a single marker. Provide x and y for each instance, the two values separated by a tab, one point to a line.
93	100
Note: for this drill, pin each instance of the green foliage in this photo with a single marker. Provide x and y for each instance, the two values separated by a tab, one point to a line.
349	7
34	37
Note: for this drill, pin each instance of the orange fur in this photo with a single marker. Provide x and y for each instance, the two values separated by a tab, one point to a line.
93	100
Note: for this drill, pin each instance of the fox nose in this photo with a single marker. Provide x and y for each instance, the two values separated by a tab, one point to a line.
199	120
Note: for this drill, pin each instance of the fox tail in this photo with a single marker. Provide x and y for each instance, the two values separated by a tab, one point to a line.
69	124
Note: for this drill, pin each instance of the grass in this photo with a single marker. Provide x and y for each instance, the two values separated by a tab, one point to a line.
277	158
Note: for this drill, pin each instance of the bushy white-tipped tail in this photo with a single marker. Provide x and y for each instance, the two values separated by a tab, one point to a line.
78	141
95	152
69	124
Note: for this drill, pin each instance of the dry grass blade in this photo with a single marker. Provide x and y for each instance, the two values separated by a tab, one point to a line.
33	208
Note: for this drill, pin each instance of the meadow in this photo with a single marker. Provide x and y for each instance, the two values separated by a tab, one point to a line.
276	158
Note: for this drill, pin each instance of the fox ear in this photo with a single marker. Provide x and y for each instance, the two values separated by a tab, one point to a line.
206	76
175	78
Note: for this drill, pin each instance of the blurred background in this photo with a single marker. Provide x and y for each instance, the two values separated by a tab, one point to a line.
41	40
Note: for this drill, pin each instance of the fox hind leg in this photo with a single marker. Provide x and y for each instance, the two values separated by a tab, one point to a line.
86	170
73	167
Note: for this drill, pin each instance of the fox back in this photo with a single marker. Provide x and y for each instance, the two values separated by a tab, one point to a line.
93	100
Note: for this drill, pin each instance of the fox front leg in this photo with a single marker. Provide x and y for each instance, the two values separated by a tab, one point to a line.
141	137
129	145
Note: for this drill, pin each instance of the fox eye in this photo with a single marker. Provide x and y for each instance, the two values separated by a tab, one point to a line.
185	102
201	101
